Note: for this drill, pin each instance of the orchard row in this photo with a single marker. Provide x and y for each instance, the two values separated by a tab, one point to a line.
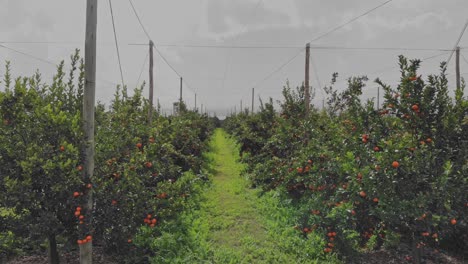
366	178
144	176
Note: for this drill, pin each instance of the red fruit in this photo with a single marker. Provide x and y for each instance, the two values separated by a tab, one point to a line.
362	194
149	216
129	241
327	250
77	213
89	238
151	139
364	140
395	164
79	168
154	221
81	222
76	194
330	245
353	212
309	161
376	200
62	148
148	164
139	145
429	140
415	107
453	221
413	78
376	149
152	225
114	202
425	234
359	176
334	234
80	242
331	239
306	230
78	208
435	235
299	170
81	217
89	185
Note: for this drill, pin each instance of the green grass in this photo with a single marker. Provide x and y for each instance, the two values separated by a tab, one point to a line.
235	225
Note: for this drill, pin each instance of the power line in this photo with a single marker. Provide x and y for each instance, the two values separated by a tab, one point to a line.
155	47
245	46
464	58
279	68
350	21
139	20
322	36
142	68
28	55
458	41
293	47
43	60
116	43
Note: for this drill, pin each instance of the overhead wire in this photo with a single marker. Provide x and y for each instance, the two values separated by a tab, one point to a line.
458	41
142	68
322	36
116	43
350	21
155	46
43	60
464	58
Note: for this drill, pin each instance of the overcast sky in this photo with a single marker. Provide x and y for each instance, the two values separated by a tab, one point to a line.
223	77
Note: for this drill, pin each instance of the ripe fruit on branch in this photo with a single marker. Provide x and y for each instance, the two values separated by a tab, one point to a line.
395	164
453	221
62	148
362	194
139	145
76	194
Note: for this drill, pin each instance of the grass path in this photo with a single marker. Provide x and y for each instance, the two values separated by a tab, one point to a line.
235	225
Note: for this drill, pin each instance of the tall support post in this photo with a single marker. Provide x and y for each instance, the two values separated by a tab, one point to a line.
196	102
180	97
253	92
241	109
306	81
378	98
457	66
89	94
151	83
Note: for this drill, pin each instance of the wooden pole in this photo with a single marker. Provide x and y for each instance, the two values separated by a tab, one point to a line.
180	98
241	110
378	98
457	66
196	102
253	91
151	87
89	94
306	82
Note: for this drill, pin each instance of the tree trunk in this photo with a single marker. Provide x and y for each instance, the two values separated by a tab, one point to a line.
53	253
